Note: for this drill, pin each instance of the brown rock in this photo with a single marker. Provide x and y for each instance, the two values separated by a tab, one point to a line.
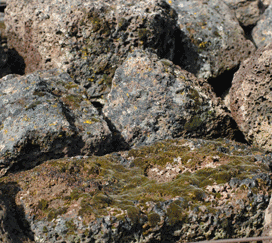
251	99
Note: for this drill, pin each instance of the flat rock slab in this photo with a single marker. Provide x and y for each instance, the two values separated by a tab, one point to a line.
262	32
45	115
210	189
251	99
212	40
153	99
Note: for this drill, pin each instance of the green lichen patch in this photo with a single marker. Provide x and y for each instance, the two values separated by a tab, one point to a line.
94	186
72	101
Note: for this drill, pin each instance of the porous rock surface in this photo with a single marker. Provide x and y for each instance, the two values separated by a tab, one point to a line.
171	191
248	12
45	115
90	39
153	99
262	32
212	40
251	99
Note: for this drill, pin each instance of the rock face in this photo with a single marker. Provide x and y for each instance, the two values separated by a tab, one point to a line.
150	194
88	39
251	99
153	99
45	115
248	12
212	41
262	32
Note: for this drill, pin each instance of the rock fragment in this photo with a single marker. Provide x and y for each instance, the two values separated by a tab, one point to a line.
251	100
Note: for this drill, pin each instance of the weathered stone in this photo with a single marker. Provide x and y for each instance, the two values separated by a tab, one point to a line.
212	40
45	115
262	32
88	39
251	99
96	199
248	12
153	99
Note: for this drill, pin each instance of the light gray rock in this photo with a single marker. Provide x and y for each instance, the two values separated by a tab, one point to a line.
262	32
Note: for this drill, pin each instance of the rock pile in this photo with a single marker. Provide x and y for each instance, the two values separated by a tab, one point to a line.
115	77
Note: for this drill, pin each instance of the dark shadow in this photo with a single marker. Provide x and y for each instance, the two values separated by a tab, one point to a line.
223	82
16	62
13	218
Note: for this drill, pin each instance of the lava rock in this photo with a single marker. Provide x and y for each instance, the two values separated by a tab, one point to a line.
261	33
247	12
212	41
251	99
153	99
45	115
88	39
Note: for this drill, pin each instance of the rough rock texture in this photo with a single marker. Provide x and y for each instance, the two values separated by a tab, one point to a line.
251	98
173	191
45	115
262	32
248	12
153	99
88	39
212	40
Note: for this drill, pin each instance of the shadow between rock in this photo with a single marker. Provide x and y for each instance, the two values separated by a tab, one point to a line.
15	227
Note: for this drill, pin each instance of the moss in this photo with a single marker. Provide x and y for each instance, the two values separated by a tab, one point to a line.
71	227
53	213
42	204
153	219
39	93
174	213
72	101
134	214
45	230
33	105
194	123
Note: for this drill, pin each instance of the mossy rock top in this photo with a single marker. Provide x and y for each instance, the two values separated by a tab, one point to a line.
188	174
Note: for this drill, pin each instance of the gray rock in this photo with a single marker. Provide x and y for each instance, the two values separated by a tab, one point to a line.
248	12
251	100
153	99
45	115
212	40
88	39
262	32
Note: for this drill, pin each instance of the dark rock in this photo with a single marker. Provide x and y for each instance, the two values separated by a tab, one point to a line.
153	99
212	41
45	115
251	99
